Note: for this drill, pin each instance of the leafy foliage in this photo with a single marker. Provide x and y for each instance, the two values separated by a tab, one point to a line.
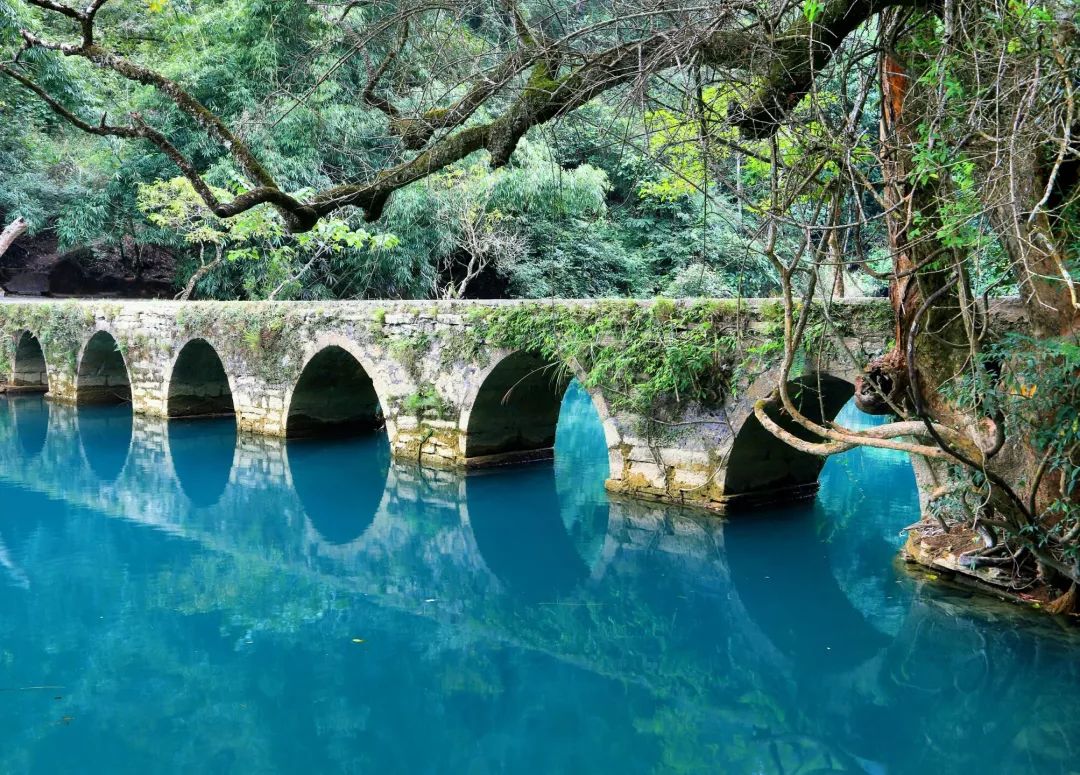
257	255
642	355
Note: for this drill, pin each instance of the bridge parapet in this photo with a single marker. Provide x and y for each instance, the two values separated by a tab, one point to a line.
469	383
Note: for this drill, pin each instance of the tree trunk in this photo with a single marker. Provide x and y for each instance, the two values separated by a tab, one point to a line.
14	230
939	330
922	267
928	284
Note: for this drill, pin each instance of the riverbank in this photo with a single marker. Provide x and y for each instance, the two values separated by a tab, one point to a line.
36	266
936	555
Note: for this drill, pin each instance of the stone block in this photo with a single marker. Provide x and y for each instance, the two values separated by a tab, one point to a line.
684	458
689	479
650	472
642	454
441	424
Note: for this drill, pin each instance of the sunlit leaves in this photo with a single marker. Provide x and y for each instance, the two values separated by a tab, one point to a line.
681	139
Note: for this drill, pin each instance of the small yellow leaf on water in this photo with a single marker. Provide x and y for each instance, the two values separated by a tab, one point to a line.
357	640
932	576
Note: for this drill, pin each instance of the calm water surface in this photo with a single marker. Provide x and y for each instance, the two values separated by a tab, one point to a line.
173	599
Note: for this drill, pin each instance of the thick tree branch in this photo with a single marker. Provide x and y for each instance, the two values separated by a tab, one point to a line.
796	55
882	436
12	232
140	130
789	60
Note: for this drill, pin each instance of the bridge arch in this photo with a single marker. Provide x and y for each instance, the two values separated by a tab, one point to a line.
102	376
336	393
511	411
29	370
763	469
197	384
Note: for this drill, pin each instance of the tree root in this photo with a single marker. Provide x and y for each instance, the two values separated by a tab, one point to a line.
994	556
1068	603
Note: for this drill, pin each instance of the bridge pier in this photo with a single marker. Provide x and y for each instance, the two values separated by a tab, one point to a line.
445	396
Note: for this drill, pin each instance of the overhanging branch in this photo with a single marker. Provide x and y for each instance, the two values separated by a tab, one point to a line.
786	62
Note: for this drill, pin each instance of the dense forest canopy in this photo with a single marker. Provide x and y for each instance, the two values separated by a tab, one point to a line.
804	148
594	204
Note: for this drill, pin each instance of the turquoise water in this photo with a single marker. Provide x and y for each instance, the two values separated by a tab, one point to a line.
173	599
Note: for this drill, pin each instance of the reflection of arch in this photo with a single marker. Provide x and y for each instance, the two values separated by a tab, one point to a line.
31	416
761	468
515	411
202	457
198	384
334	396
103	376
105	434
29	370
340	515
519	531
781	569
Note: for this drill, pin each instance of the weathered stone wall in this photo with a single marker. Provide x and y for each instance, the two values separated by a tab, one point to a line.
441	404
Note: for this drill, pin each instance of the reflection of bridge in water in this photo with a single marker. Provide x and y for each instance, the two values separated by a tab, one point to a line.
283	498
595	592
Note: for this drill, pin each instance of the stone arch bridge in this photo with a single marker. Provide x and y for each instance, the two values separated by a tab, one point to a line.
452	389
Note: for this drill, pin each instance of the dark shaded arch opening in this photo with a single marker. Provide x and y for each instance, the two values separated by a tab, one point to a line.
762	468
199	386
340	515
202	457
29	372
516	411
103	375
333	397
105	433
